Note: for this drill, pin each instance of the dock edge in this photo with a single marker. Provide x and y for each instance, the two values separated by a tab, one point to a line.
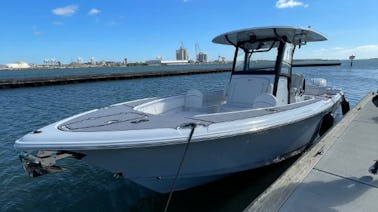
274	197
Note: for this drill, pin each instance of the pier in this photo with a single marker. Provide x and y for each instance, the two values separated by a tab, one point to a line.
33	82
334	174
60	80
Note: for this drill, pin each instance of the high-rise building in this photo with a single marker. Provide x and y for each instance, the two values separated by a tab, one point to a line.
181	54
93	61
202	57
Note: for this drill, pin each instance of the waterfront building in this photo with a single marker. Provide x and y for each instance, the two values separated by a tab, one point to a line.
93	61
17	65
202	57
221	59
181	54
166	62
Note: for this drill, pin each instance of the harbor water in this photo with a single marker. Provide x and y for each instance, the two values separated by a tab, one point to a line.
85	187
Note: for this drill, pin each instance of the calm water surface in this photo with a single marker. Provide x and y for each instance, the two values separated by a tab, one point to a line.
84	187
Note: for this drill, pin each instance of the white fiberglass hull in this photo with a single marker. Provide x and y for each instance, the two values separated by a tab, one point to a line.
151	156
205	161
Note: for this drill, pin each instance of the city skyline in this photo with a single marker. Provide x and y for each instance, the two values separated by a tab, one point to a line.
143	30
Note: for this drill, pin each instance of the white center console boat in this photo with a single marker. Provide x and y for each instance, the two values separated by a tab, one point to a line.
265	114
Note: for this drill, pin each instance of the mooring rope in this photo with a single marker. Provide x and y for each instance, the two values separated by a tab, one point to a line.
193	126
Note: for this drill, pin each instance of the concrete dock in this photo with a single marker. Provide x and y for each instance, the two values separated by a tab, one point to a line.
333	175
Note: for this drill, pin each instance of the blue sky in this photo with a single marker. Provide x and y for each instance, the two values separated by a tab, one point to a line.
142	30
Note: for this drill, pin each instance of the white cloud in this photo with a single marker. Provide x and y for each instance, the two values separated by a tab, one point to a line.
337	48
57	23
369	48
65	11
37	33
361	52
94	11
111	23
282	4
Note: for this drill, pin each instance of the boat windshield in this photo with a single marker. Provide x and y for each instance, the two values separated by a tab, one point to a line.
261	60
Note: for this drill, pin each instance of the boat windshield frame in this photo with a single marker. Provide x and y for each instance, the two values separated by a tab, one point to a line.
282	57
248	60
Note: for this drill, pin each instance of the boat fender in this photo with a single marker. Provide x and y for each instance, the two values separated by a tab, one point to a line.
375	100
374	168
326	124
345	106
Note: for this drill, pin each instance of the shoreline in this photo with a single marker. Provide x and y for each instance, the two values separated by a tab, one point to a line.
296	63
91	77
85	66
59	80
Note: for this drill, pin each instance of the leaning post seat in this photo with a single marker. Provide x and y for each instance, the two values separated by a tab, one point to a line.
265	100
243	90
193	99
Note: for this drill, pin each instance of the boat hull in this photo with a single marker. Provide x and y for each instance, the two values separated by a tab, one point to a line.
207	160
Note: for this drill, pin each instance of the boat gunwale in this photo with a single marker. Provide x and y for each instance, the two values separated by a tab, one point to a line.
204	118
167	142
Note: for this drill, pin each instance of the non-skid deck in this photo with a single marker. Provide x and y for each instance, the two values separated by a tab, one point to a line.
333	175
122	117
